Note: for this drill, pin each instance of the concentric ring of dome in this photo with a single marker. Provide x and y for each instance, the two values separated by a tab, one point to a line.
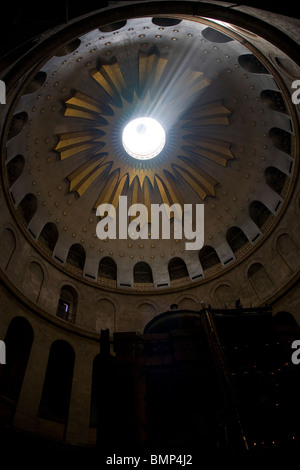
228	123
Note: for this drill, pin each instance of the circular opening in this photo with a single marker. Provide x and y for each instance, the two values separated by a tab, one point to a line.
143	138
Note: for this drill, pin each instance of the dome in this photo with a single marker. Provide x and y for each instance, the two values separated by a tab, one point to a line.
230	145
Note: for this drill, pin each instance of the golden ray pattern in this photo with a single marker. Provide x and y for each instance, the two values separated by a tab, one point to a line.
188	132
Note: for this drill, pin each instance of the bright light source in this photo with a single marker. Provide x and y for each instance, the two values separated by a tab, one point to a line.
143	138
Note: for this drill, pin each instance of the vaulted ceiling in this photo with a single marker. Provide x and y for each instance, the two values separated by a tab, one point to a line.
231	141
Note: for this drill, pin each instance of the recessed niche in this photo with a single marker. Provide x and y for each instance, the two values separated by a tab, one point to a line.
68	48
214	35
109	28
36	83
165	22
17	124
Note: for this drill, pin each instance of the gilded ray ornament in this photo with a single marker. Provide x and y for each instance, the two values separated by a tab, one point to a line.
175	104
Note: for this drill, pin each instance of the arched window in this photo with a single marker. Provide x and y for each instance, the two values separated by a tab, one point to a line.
76	256
251	63
18	123
67	304
56	393
165	22
107	268
208	257
215	36
15	168
18	341
49	236
28	207
281	139
236	238
142	273
259	213
254	269
36	83
275	179
177	269
274	100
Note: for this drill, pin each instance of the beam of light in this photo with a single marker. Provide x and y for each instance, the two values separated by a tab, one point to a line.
143	138
180	87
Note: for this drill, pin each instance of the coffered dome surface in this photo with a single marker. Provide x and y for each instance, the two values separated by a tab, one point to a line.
231	140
